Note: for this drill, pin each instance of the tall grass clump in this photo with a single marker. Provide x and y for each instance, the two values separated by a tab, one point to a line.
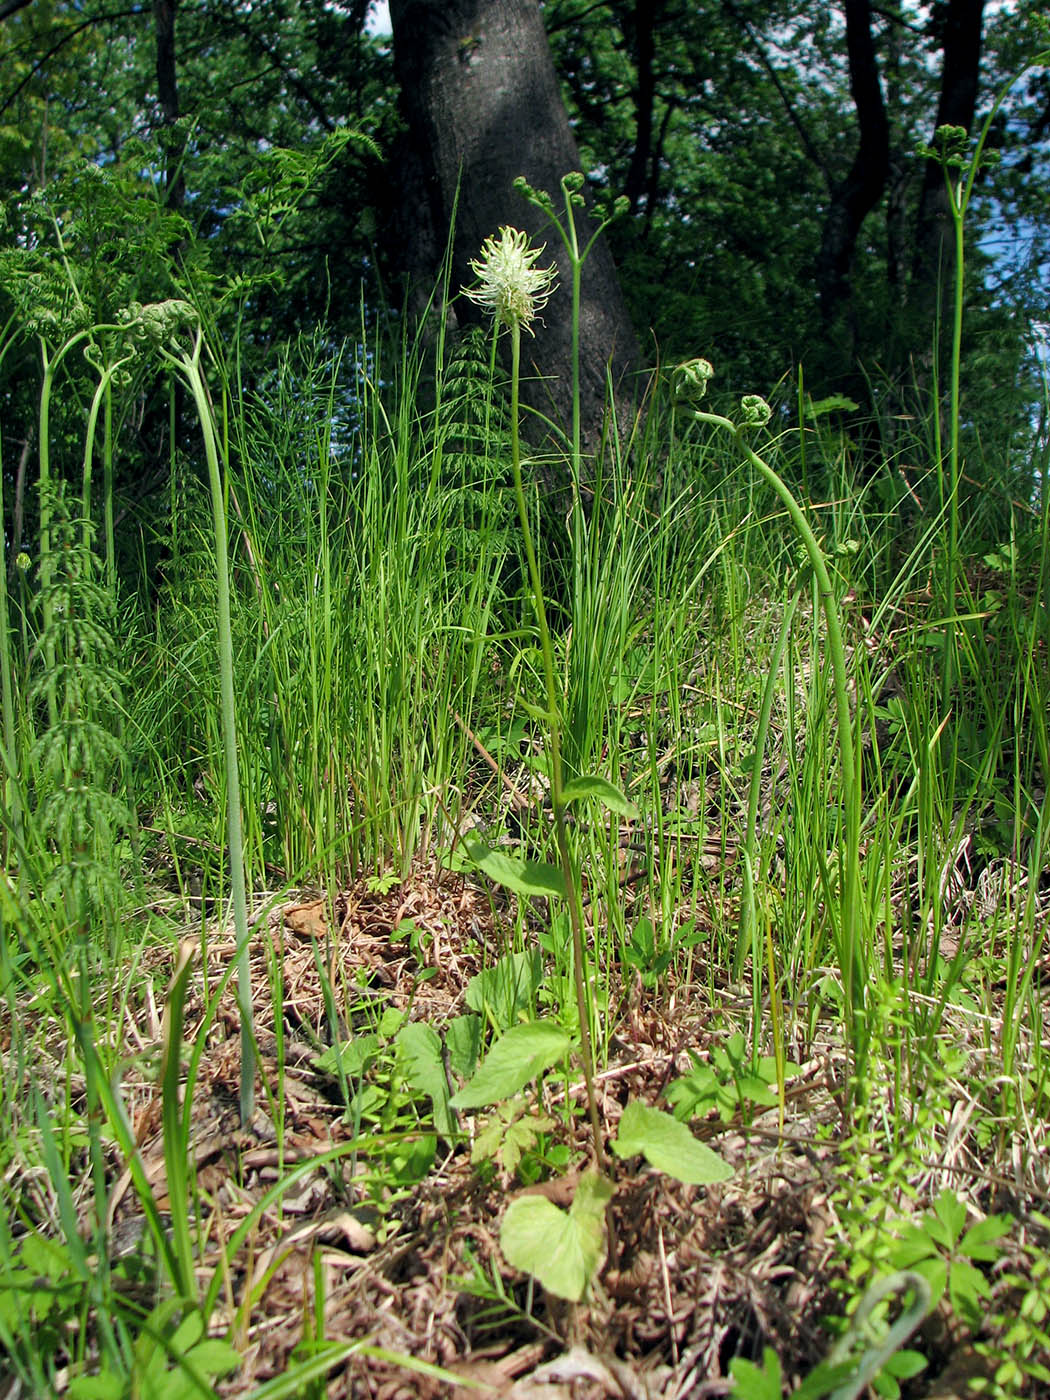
763	770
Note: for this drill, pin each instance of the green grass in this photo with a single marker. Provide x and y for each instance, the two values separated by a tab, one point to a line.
386	677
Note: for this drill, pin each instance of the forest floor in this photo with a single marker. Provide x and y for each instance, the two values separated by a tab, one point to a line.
409	1261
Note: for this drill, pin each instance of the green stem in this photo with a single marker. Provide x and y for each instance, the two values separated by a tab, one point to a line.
12	786
957	206
850	932
189	365
554	720
44	477
107	492
102	395
51	365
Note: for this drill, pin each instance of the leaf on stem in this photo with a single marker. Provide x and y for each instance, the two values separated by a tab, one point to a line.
608	794
667	1145
524	1052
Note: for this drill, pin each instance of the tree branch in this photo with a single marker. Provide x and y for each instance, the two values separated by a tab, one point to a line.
11	7
41	62
796	121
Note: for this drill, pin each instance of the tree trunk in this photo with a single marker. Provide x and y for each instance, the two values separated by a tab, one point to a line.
482	103
956	106
642	34
853	198
168	98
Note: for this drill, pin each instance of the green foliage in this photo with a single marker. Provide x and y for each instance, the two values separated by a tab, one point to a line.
172	1357
78	758
384	673
510	1133
731	1082
667	1145
1021	1342
766	1382
941	1247
518	873
562	1249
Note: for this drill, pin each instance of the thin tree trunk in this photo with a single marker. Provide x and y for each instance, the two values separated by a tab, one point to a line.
168	97
647	14
483	105
854	197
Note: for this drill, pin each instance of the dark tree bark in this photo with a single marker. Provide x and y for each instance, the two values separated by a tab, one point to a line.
962	39
642	34
853	199
168	97
482	103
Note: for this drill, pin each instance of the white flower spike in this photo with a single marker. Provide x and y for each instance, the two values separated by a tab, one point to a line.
510	285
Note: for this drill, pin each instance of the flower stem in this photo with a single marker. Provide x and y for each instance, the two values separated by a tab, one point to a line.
572	884
189	366
851	949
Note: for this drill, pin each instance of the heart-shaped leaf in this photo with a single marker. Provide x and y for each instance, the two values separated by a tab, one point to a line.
668	1145
562	1249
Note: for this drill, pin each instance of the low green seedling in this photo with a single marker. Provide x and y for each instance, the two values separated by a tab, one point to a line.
419	941
731	1083
940	1248
511	1132
643	955
766	1382
167	1364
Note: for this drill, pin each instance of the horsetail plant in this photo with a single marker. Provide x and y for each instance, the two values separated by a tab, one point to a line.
690	387
159	324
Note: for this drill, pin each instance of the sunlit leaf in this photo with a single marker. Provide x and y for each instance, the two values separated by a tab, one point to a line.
519	1055
668	1145
425	1070
608	794
525	877
562	1249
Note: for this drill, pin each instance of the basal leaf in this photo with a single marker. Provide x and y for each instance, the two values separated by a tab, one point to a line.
525	877
519	1055
905	1364
506	988
668	1145
425	1071
751	1087
593	1194
562	1249
354	1055
608	794
463	1038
